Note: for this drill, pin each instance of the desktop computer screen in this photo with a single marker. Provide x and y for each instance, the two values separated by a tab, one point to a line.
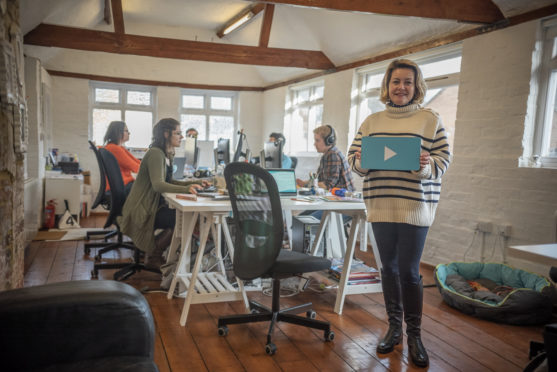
205	154
190	151
271	156
223	151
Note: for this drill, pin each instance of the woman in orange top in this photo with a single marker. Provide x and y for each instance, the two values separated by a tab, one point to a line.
116	135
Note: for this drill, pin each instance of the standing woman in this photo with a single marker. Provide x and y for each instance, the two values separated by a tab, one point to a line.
401	204
145	209
116	135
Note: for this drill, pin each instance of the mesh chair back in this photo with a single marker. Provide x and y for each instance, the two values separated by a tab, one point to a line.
257	216
117	192
101	196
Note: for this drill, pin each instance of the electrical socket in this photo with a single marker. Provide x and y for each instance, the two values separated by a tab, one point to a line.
504	230
484	226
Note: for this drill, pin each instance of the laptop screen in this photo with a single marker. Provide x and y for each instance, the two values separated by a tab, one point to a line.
285	179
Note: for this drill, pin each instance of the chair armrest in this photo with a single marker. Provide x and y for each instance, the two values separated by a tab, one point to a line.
73	321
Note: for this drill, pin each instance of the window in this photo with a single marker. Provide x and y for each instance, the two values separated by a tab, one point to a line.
304	112
543	149
131	103
213	114
441	69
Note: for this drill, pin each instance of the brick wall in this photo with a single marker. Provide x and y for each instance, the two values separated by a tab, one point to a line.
13	125
484	182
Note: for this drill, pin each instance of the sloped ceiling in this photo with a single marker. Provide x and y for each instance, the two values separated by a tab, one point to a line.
342	37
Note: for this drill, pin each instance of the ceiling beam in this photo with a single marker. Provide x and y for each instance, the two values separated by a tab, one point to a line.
473	11
266	25
118	15
100	41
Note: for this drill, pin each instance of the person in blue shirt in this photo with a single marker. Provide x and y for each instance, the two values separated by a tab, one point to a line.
276	137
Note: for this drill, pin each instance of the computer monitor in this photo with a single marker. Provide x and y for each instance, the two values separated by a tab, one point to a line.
242	152
271	156
205	154
190	151
223	151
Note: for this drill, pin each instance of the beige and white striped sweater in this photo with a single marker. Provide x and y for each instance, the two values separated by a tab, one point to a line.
404	196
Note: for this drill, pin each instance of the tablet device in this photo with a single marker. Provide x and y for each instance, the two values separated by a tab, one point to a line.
286	181
391	153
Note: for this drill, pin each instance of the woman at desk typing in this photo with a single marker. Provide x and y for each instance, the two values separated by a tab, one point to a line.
145	209
116	135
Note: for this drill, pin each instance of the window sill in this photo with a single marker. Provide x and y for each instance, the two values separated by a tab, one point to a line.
538	162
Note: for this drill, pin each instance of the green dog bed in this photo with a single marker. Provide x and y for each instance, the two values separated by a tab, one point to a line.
515	297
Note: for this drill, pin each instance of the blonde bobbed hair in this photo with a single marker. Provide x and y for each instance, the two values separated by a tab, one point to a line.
419	82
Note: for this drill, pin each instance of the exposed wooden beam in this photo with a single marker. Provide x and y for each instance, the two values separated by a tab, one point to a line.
266	25
118	16
152	82
100	41
474	11
446	40
107	16
251	11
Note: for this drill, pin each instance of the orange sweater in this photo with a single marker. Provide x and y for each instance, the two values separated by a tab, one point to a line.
128	163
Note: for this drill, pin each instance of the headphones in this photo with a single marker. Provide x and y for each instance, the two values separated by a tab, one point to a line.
331	138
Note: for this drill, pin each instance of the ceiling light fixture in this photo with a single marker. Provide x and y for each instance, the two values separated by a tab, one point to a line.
240	19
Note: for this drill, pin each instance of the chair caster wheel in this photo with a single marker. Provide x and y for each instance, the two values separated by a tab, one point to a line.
254	311
94	274
270	349
97	258
87	251
311	314
329	335
223	331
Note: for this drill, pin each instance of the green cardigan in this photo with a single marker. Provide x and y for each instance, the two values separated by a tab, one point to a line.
138	214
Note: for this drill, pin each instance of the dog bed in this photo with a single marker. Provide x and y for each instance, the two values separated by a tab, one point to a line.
496	292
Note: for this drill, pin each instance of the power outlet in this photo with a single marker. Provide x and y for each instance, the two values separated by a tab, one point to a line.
504	230
484	226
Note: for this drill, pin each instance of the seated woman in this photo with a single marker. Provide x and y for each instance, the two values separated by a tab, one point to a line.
116	135
145	209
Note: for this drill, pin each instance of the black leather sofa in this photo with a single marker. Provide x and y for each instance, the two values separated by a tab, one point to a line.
78	326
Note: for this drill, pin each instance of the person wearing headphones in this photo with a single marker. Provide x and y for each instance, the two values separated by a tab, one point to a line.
333	170
279	137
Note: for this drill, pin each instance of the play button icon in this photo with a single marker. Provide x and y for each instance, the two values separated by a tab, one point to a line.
391	153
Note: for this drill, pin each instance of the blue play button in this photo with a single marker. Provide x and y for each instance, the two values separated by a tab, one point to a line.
391	153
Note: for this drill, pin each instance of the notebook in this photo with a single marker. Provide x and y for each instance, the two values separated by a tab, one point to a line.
178	167
391	153
286	181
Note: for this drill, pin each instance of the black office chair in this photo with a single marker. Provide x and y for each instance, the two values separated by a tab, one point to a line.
101	199
117	199
258	221
294	162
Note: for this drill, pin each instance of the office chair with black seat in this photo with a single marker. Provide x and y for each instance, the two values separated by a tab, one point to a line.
117	199
294	162
101	199
258	253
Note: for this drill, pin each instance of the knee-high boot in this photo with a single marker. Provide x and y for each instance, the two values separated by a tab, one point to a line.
393	305
155	259
412	299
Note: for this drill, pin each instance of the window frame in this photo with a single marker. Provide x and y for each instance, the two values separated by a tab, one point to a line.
207	111
545	65
122	104
291	106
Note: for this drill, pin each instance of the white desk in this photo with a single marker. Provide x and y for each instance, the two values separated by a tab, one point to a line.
213	286
541	253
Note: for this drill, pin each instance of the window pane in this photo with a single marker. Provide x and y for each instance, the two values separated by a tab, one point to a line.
318	93
221	103
139	98
107	95
194	102
140	125
299	130
373	81
221	127
101	119
314	120
444	102
444	67
552	134
194	121
302	96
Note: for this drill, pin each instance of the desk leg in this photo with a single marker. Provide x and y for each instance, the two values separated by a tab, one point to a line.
206	221
339	303
324	222
188	224
216	232
336	234
176	236
288	220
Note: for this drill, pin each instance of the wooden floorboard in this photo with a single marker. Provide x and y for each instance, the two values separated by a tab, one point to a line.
455	341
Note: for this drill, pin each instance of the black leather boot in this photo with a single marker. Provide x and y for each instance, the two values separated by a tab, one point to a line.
393	305
155	259
412	299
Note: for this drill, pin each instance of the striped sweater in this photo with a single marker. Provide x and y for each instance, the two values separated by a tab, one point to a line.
404	196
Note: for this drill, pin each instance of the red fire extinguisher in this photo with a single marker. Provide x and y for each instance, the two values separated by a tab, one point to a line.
49	214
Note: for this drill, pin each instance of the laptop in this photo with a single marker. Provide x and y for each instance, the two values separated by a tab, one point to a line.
391	153
286	181
178	167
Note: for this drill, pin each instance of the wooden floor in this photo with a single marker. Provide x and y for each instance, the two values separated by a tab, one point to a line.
455	342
